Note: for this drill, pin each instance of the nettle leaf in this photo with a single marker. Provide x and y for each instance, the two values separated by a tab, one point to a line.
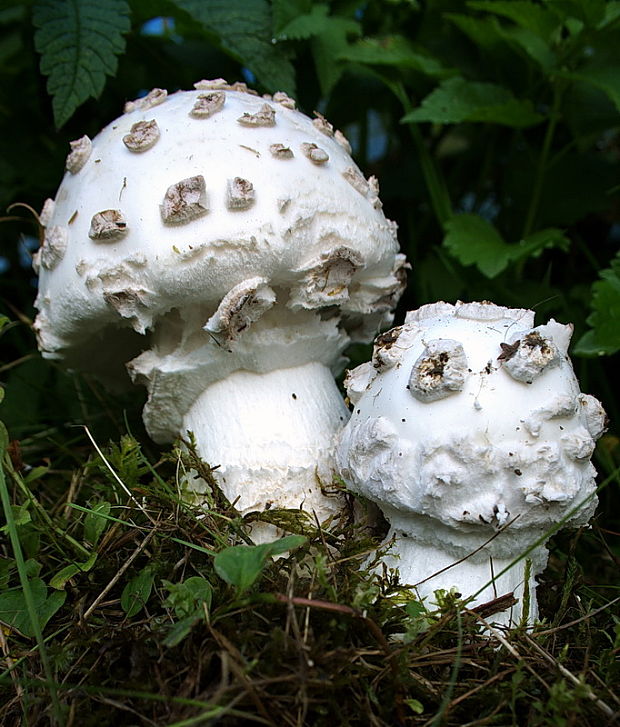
475	241
244	30
604	338
284	11
329	40
394	50
457	100
137	592
79	41
241	565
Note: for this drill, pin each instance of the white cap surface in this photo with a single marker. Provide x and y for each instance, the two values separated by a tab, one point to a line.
186	198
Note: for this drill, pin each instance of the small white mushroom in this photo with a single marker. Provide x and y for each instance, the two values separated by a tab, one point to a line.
208	104
265	116
78	156
185	201
469	482
107	226
142	136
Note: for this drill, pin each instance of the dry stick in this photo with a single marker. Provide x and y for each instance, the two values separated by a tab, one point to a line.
605	708
120	572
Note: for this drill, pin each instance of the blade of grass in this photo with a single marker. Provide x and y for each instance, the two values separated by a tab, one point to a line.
25	584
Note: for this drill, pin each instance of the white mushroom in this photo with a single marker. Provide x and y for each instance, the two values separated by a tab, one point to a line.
470	463
229	272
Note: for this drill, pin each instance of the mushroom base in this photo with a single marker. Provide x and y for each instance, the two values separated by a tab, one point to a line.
271	437
427	568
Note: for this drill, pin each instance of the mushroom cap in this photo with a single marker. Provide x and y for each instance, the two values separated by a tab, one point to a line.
469	415
185	198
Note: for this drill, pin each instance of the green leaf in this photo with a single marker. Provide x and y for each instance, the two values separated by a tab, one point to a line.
181	629
284	11
330	39
13	609
604	338
489	34
137	592
241	565
604	77
528	15
393	50
302	27
96	522
60	580
475	241
186	597
21	516
244	30
79	41
457	100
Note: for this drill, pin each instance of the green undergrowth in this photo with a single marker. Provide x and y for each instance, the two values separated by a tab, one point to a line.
122	605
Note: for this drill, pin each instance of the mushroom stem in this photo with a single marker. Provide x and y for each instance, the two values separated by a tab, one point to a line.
271	436
479	566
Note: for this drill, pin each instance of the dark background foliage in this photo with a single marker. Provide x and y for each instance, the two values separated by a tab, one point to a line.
492	126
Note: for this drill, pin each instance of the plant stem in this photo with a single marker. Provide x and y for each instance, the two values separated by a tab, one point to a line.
543	161
435	183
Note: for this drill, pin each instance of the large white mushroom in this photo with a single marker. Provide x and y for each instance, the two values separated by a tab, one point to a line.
470	433
225	249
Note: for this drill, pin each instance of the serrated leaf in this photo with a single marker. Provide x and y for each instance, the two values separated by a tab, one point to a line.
589	12
393	50
475	241
244	30
327	48
307	25
241	565
284	11
604	338
79	41
14	612
456	100
137	592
